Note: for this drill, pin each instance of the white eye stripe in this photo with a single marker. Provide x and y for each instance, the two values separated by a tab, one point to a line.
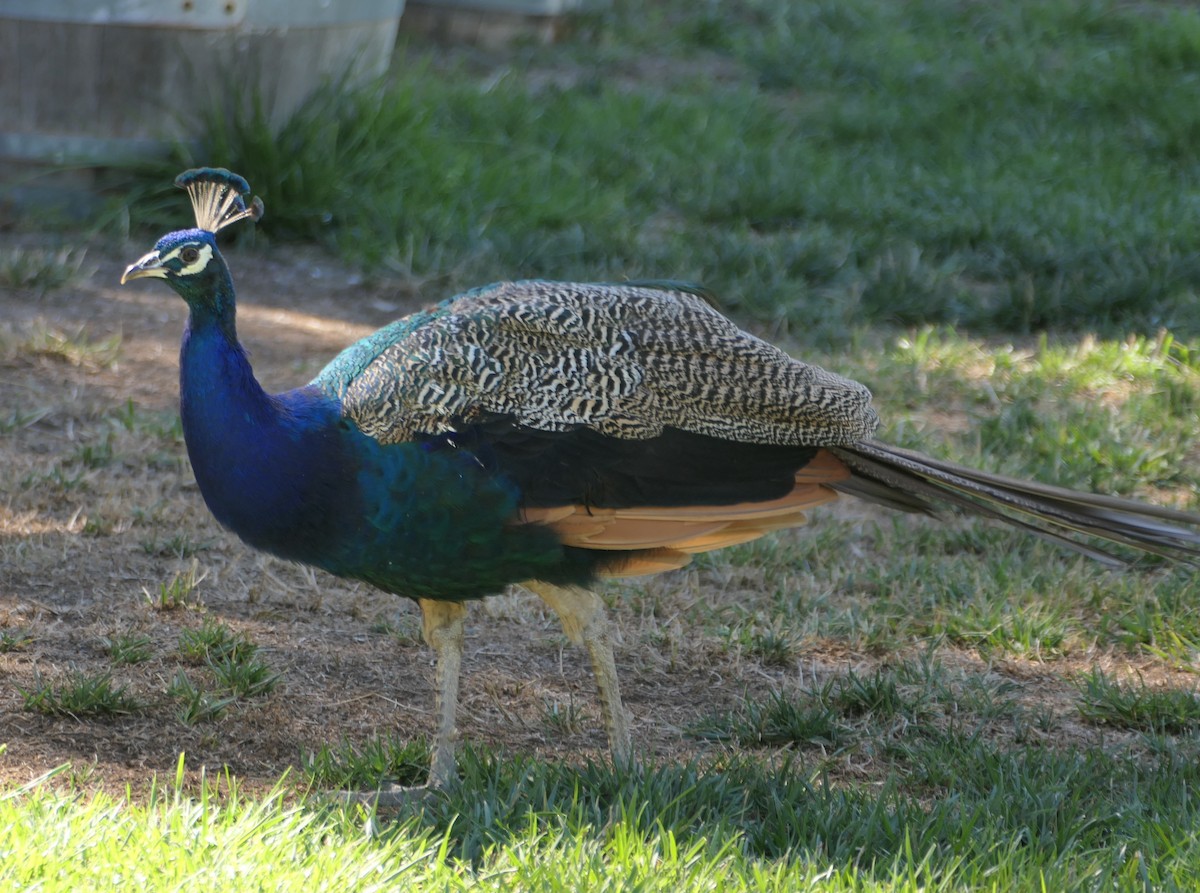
198	264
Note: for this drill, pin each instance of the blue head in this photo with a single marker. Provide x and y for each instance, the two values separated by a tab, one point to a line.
191	264
188	259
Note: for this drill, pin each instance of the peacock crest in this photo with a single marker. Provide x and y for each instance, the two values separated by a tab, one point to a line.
218	197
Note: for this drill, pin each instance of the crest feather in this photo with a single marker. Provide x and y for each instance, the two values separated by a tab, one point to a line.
218	197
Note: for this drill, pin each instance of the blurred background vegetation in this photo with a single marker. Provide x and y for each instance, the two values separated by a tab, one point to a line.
822	166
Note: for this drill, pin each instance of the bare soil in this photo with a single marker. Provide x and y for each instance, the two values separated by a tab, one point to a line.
97	515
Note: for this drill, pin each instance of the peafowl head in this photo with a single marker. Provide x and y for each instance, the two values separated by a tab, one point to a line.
188	259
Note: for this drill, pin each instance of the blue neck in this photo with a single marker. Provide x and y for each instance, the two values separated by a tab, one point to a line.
267	465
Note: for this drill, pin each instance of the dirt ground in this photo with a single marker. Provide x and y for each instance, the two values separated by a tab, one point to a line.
99	510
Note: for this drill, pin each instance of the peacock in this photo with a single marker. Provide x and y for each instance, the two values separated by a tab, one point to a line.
551	434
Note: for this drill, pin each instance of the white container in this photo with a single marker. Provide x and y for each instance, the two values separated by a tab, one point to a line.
94	81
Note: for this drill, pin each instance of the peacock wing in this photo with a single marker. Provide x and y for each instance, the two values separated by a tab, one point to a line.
624	361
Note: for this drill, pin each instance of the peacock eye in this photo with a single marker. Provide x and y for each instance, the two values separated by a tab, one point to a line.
189	255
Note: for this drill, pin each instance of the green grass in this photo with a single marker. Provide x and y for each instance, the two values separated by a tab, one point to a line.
857	713
1026	820
232	662
196	703
14	640
177	545
779	721
80	695
179	592
374	763
213	640
129	648
243	677
74	347
40	270
1088	413
1128	706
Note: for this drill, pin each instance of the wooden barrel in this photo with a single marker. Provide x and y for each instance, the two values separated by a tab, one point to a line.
94	81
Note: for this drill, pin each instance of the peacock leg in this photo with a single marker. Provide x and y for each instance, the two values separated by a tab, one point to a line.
442	627
443	630
585	622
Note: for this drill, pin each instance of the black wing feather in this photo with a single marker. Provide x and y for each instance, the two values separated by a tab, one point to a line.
584	467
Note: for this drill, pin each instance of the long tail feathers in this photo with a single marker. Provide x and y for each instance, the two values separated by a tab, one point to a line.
911	481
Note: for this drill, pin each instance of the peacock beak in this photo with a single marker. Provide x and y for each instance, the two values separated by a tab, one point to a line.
150	266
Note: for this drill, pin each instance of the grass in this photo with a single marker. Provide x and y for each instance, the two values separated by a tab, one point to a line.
40	270
178	592
848	709
561	718
1128	706
372	764
971	207
852	163
129	648
1074	413
81	694
14	640
74	347
196	703
243	677
778	721
214	641
1023	820
230	659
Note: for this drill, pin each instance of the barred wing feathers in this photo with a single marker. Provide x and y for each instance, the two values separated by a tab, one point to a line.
626	361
